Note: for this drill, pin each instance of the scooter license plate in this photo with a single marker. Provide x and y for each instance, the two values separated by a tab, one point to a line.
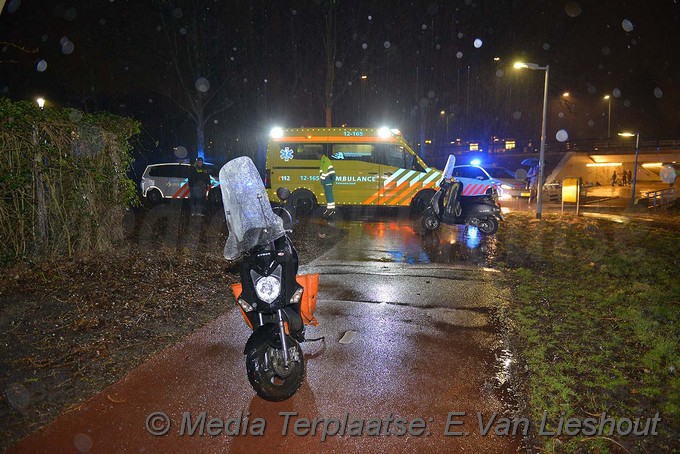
525	194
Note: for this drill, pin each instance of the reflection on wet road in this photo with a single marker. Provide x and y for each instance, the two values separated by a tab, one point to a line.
400	241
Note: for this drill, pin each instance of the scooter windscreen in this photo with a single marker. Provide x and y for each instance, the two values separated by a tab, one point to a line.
450	164
249	215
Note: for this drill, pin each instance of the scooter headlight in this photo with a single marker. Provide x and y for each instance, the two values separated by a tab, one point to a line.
268	288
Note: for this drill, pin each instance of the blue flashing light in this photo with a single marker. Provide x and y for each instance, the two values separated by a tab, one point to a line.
475	162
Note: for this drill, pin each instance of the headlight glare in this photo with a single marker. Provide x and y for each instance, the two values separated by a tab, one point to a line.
268	288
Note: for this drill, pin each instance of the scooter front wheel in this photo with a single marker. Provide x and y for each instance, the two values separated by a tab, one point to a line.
488	226
268	374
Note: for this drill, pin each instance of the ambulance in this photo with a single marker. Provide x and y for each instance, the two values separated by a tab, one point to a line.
373	167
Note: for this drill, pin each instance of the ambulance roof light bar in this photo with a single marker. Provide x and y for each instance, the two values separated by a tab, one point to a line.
276	132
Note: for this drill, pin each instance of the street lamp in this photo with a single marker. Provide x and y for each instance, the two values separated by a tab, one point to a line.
637	151
609	117
541	157
41	102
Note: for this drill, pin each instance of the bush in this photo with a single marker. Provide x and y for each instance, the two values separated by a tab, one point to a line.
63	183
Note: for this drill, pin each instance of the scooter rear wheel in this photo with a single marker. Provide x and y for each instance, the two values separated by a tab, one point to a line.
269	377
488	226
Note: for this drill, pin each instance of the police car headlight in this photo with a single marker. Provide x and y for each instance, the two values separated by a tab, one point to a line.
268	288
506	187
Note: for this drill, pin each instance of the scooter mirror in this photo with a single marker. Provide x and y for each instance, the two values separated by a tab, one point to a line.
283	193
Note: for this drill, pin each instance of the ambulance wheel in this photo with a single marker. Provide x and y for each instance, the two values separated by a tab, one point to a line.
421	201
154	196
301	201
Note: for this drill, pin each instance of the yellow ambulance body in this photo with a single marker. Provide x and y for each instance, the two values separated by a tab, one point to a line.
372	167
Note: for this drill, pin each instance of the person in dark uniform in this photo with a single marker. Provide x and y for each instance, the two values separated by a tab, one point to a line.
198	184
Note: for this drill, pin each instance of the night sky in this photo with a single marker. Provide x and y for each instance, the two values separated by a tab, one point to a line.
240	67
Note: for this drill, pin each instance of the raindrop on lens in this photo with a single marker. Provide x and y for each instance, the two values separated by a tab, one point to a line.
626	103
183	31
546	46
606	51
459	54
158	28
627	25
63	40
572	9
517	115
13	6
102	21
460	35
478	43
41	66
18	396
561	135
82	442
338	64
591	123
430	94
67	48
561	114
70	14
616	92
499	73
424	27
215	121
438	47
370	17
44	38
181	152
387	44
364	46
658	93
150	101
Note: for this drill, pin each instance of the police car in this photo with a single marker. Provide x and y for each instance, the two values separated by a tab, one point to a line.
477	181
171	181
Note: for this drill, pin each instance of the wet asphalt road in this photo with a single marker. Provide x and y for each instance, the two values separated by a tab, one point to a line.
424	347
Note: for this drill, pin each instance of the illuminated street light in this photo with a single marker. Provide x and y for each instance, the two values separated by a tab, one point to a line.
609	116
41	102
541	157
637	151
565	94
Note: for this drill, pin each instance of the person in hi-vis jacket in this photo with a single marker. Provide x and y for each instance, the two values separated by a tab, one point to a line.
327	178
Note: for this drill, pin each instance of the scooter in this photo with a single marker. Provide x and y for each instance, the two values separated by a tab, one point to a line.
274	301
449	206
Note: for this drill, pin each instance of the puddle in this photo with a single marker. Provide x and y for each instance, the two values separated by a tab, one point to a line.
458	317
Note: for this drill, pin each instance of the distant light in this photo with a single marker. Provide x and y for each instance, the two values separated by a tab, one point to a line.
364	76
496	58
475	162
41	102
653	164
606	97
565	94
519	65
627	134
428	141
276	133
384	132
604	164
474	146
443	112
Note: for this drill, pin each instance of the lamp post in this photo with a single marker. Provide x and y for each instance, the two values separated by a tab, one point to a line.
637	151
609	116
541	156
41	102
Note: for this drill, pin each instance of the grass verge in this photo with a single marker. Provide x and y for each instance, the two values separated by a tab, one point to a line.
596	323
